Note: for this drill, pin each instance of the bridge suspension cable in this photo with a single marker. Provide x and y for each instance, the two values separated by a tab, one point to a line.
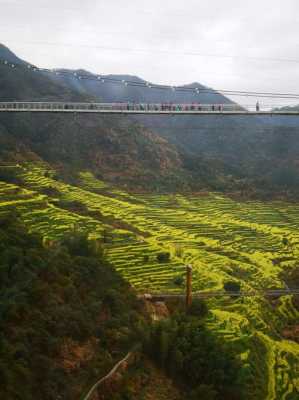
128	82
159	51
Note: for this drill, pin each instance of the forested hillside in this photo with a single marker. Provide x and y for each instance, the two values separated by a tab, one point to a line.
66	316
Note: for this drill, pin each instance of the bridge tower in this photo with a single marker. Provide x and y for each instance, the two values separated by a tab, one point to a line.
188	285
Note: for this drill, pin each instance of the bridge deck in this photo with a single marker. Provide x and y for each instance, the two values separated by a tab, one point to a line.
136	109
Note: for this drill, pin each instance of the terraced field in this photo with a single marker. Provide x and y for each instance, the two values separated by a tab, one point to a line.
222	239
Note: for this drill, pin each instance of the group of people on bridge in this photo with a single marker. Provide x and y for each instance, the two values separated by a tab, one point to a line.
127	106
174	107
132	106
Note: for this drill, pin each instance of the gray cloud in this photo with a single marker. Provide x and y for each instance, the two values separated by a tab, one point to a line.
89	34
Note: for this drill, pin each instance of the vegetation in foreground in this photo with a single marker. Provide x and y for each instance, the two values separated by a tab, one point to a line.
66	318
248	243
204	366
182	347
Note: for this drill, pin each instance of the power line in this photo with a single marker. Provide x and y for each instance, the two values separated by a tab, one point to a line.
114	33
127	82
158	51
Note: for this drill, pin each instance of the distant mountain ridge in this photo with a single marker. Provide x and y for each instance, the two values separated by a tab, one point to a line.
110	91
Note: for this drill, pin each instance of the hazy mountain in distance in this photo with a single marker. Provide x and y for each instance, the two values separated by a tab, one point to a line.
263	147
220	152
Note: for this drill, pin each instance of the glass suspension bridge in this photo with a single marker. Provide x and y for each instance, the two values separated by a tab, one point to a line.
140	108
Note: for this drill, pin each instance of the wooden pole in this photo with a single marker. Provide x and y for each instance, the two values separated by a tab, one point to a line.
188	285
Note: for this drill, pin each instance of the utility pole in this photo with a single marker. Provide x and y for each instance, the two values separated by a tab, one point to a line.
188	285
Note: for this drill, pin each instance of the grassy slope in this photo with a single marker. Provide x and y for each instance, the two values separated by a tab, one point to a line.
223	240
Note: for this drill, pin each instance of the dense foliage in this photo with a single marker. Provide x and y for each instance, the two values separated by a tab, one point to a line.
232	286
292	279
191	354
65	315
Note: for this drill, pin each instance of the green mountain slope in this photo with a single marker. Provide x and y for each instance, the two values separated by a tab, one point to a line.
57	336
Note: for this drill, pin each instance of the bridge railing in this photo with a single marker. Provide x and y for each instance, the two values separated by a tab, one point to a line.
142	108
167	107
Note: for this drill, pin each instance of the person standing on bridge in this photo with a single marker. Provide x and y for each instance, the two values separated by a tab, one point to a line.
257	106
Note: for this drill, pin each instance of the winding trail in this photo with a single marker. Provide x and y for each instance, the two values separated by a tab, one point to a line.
108	376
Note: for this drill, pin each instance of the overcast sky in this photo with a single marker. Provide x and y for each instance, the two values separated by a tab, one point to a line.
224	44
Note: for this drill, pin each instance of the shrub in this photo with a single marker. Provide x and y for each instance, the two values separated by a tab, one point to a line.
232	286
178	280
163	256
50	191
285	241
198	308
